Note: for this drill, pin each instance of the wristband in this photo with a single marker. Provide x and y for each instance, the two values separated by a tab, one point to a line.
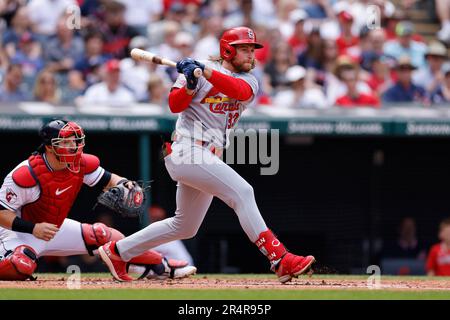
124	181
21	225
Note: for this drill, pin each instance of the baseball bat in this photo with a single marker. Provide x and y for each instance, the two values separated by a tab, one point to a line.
142	55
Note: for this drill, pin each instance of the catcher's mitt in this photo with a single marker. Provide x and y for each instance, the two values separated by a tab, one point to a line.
126	201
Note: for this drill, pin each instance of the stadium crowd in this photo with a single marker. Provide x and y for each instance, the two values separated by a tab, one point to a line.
317	53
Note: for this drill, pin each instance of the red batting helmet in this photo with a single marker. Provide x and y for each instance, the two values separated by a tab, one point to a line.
235	36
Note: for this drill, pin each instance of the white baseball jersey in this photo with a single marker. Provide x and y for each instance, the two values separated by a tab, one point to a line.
211	114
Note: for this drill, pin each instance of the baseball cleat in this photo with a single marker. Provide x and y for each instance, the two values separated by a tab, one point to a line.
116	265
291	266
171	269
184	272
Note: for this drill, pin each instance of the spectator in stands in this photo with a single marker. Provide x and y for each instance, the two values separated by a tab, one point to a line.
327	62
157	90
379	79
241	17
93	57
407	244
353	97
29	55
174	249
319	9
74	87
168	48
376	39
443	13
404	90
282	59
135	74
438	260
297	40
404	45
264	13
335	87
301	93
184	42
346	39
364	44
62	51
176	12
46	88
263	55
8	9
210	31
11	89
110	91
20	24
312	56
442	93
430	76
45	14
391	22
284	10
140	14
116	33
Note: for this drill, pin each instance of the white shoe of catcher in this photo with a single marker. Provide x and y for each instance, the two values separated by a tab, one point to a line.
168	269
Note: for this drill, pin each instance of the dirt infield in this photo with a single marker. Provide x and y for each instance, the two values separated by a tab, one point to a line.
240	283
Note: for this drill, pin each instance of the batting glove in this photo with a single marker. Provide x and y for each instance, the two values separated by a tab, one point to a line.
200	65
183	63
191	80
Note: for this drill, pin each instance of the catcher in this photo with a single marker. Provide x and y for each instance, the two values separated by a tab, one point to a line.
36	198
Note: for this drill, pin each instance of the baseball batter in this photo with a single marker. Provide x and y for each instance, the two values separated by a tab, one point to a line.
36	198
208	108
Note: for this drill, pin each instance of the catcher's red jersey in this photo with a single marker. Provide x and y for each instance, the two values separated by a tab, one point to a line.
40	194
439	260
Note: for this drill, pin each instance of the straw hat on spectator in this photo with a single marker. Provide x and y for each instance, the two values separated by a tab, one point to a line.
437	49
344	62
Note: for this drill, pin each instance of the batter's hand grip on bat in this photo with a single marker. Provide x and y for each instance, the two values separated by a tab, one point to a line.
142	55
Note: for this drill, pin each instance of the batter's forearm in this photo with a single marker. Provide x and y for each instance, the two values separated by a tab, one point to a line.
179	99
232	87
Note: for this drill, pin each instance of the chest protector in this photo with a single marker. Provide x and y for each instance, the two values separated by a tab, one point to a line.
58	191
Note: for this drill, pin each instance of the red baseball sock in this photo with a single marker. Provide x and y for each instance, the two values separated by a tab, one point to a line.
271	247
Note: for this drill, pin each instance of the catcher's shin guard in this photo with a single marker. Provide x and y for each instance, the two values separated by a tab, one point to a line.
97	234
18	264
286	265
148	257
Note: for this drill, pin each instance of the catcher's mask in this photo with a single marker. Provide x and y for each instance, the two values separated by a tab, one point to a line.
66	139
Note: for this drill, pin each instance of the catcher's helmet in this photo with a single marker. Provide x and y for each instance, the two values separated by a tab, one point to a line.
67	141
235	36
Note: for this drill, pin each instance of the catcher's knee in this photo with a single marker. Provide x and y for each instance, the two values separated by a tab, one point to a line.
97	234
18	264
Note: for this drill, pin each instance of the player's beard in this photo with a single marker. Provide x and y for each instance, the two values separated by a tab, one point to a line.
243	66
